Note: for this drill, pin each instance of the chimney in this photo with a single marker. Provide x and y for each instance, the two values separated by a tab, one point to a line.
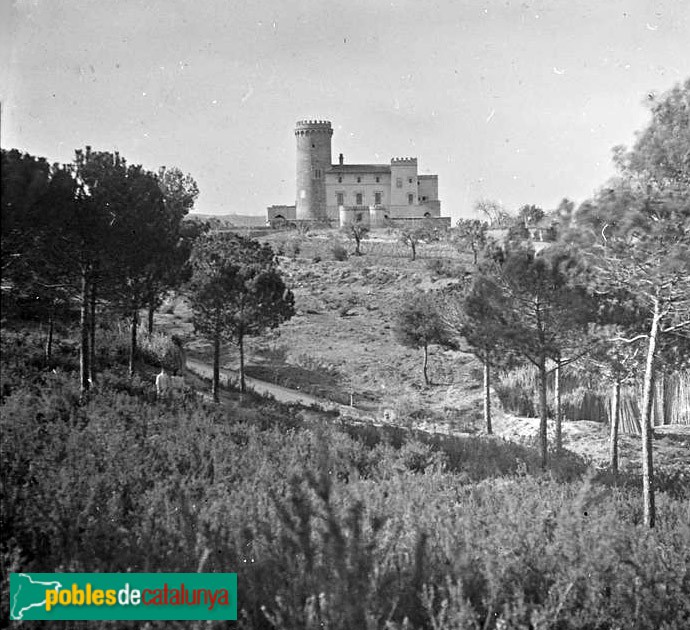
341	159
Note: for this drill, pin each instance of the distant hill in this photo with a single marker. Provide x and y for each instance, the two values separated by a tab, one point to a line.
232	220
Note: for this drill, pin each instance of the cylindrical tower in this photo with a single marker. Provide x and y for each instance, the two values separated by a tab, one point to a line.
313	160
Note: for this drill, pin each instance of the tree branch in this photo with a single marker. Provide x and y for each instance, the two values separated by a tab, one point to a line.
633	340
676	327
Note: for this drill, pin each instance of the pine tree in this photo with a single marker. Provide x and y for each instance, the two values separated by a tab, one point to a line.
540	311
639	241
473	313
419	325
236	291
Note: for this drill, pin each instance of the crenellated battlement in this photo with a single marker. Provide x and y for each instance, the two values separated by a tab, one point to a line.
304	127
313	123
411	161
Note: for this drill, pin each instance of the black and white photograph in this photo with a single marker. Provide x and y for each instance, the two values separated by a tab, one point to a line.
345	315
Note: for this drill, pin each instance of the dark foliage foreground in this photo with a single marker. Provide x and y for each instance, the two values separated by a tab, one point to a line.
327	527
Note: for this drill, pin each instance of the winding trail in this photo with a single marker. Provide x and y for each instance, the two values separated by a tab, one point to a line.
588	439
281	394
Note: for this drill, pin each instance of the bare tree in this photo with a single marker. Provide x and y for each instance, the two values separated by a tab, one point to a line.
356	230
495	213
471	233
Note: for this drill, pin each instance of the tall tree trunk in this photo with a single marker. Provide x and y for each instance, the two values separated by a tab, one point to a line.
216	368
92	336
425	365
543	410
557	396
474	255
243	385
663	398
49	340
487	396
615	419
646	421
133	340
84	335
152	310
414	251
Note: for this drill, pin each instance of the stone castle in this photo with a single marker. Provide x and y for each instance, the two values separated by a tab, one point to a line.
336	194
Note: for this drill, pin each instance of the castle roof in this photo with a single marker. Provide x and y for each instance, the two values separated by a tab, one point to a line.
360	168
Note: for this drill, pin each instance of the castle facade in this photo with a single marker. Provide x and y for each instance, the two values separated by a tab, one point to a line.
335	194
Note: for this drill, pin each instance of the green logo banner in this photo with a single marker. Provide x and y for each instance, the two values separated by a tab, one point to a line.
123	596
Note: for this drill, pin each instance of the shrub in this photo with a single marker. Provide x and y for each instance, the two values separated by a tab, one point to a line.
445	268
113	340
350	527
338	252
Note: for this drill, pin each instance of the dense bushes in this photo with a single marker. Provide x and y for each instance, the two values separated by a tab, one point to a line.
351	527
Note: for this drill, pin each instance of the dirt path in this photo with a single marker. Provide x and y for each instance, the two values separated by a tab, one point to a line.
281	394
589	439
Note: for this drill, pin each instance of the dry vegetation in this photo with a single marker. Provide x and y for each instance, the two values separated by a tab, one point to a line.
331	523
327	524
341	342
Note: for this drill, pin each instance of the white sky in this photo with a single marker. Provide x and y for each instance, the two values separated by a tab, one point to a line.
515	101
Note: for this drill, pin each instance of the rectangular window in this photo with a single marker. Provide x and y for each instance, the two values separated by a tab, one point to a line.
359	199
410	199
359	180
340	180
409	180
377	198
378	179
317	173
340	198
398	182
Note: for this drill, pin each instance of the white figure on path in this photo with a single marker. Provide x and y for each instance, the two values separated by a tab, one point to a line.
163	383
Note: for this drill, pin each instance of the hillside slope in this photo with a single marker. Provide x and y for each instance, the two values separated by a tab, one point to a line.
341	346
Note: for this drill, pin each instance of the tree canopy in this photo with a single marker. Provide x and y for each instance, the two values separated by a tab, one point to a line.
419	324
472	234
541	308
236	291
636	236
94	231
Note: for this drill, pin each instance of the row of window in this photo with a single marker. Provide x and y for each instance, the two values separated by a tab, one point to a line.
359	179
398	180
359	198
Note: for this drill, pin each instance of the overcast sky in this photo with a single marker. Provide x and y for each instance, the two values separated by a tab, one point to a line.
515	101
